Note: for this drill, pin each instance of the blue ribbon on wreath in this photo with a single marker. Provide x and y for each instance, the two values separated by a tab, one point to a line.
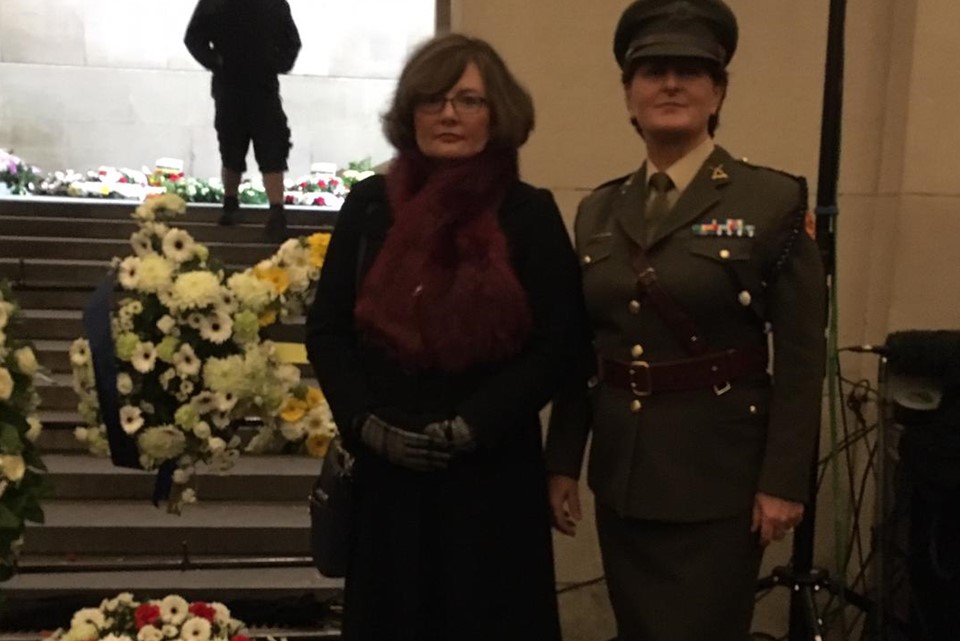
123	446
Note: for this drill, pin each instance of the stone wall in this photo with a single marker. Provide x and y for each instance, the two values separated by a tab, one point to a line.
86	83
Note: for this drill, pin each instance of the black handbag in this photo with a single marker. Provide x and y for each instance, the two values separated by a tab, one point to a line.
332	512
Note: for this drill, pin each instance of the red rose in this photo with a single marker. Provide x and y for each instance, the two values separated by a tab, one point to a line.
321	184
146	614
239	637
123	179
288	200
202	610
303	185
320	202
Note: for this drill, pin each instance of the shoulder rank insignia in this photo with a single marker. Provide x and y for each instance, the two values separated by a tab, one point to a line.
719	173
731	227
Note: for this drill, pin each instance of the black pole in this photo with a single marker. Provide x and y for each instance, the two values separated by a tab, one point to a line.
801	628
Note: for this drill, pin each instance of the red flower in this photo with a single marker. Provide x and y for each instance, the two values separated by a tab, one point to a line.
202	610
303	185
320	202
175	177
239	637
124	179
321	184
288	200
146	614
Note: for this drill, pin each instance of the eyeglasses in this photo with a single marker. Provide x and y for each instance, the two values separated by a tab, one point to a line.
463	104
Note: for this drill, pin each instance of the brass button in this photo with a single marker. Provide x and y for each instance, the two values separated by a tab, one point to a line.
725	254
753	409
636	406
634	307
636	351
745	298
587	260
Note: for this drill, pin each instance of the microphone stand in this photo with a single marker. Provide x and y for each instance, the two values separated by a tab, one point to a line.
801	577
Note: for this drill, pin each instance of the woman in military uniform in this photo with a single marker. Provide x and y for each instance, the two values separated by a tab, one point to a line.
702	438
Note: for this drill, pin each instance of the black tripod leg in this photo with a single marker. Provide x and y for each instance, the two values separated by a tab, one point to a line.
810	613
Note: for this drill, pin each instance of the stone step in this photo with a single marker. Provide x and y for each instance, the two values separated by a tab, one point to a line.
73	228
93	528
67	324
54	298
105	249
96	209
266	478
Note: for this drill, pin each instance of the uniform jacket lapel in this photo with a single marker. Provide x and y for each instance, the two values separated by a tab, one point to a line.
702	194
628	205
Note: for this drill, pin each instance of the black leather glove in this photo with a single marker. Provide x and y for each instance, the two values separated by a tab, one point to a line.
458	435
419	452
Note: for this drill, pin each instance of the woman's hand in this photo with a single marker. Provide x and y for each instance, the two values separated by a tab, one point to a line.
774	517
564	495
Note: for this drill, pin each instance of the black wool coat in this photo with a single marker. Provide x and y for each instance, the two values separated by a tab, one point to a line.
464	553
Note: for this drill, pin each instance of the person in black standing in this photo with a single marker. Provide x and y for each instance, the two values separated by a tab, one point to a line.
246	43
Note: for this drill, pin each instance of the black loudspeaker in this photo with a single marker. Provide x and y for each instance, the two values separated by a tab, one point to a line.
923	398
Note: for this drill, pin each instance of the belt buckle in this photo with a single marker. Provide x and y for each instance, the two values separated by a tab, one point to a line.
635	367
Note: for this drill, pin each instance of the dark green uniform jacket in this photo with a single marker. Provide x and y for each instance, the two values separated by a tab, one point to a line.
695	454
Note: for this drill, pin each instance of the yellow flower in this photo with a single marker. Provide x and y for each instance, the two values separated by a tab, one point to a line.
293	410
269	317
315	397
317	444
318	248
276	276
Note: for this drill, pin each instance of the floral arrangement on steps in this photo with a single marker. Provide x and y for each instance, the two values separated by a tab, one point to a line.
22	485
190	360
16	176
124	618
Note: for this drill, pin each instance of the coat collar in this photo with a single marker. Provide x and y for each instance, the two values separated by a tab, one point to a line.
703	193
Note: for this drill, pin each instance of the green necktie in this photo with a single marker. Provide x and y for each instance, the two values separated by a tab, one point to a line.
659	205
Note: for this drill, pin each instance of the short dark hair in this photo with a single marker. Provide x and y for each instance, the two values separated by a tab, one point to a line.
715	70
436	66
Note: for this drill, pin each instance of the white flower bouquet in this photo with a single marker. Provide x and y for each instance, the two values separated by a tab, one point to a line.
22	485
190	361
123	618
16	176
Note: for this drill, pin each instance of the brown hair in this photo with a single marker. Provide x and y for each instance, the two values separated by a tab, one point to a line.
437	65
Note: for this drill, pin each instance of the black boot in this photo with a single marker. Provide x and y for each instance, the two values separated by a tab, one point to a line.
231	211
276	229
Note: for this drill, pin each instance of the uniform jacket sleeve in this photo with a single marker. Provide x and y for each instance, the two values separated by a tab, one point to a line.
796	299
331	338
572	411
550	274
198	38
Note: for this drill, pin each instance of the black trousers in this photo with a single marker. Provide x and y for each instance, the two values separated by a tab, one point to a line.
680	581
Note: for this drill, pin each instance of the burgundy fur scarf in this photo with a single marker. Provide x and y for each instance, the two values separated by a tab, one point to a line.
442	293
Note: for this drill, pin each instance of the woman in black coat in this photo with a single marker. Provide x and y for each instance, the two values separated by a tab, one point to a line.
444	318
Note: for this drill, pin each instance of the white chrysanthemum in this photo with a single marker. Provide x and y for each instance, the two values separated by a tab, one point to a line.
141	243
216	328
195	629
224	374
124	383
149	633
293	254
204	402
299	278
128	272
6	384
186	388
252	293
12	466
195	290
188	496
319	420
166	324
194	320
293	431
167	377
202	430
26	361
161	443
174	609
33	433
156	273
88	616
228	301
288	374
221	613
226	401
178	245
170	631
6	309
186	361
217	445
182	474
144	357
131	419
80	352
221	420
